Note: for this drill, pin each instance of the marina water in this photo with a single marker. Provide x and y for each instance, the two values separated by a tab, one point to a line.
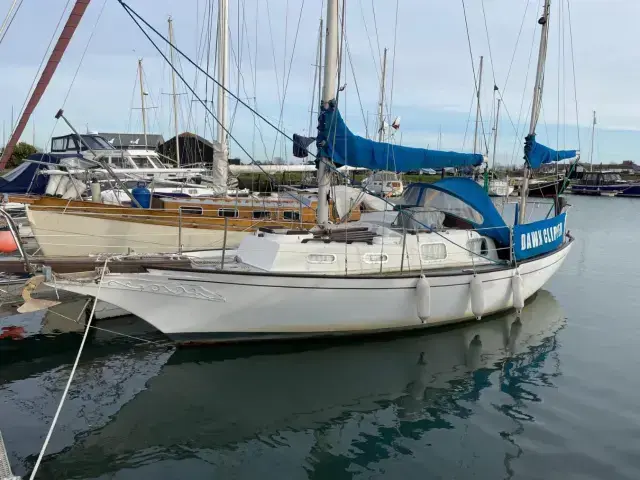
552	395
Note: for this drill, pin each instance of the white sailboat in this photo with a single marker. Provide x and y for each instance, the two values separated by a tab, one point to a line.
448	256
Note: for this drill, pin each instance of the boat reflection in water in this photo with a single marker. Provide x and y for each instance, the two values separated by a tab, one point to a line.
208	404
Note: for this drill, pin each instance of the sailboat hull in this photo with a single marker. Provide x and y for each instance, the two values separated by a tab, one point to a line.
62	234
199	306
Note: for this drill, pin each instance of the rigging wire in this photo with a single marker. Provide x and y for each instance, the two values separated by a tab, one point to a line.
135	16
84	53
9	19
375	26
44	57
355	81
366	30
524	95
573	64
473	69
285	84
393	62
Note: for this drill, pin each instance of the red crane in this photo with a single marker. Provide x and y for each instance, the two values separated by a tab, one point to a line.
56	55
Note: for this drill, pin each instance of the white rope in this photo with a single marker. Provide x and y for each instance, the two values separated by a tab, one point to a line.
73	371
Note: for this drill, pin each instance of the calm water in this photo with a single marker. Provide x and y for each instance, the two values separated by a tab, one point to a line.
552	396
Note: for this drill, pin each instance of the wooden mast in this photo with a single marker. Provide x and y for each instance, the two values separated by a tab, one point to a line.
56	55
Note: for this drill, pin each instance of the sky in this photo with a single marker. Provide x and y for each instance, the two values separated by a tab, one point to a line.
430	76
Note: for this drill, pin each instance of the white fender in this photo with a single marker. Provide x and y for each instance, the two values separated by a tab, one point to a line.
477	297
95	192
423	298
52	185
62	186
517	285
75	189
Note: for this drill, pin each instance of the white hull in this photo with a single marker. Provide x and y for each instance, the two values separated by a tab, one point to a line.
60	234
225	306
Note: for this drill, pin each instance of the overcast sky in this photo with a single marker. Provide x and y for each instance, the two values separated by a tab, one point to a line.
429	78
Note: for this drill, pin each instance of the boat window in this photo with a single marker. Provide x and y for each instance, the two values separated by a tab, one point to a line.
228	212
316	258
478	246
155	162
58	144
375	258
590	178
95	143
433	251
141	162
291	215
611	178
72	144
257	214
446	203
411	196
190	210
120	162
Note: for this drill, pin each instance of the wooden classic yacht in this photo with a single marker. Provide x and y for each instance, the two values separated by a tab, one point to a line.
80	228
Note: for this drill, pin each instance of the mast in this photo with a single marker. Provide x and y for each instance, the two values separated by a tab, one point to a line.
175	97
495	136
328	94
220	168
537	101
56	55
475	134
316	78
593	133
381	104
144	110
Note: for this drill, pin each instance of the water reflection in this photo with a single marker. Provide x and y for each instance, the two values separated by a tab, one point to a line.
328	407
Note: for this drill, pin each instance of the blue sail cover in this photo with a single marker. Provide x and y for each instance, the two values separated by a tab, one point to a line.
537	154
337	142
25	179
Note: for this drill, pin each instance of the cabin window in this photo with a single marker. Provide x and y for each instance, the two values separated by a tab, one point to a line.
375	258
590	179
433	251
120	162
228	212
411	196
58	144
446	203
478	246
142	162
190	210
316	258
291	215
261	214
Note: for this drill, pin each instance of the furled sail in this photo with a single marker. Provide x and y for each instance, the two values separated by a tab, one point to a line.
537	154
337	142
